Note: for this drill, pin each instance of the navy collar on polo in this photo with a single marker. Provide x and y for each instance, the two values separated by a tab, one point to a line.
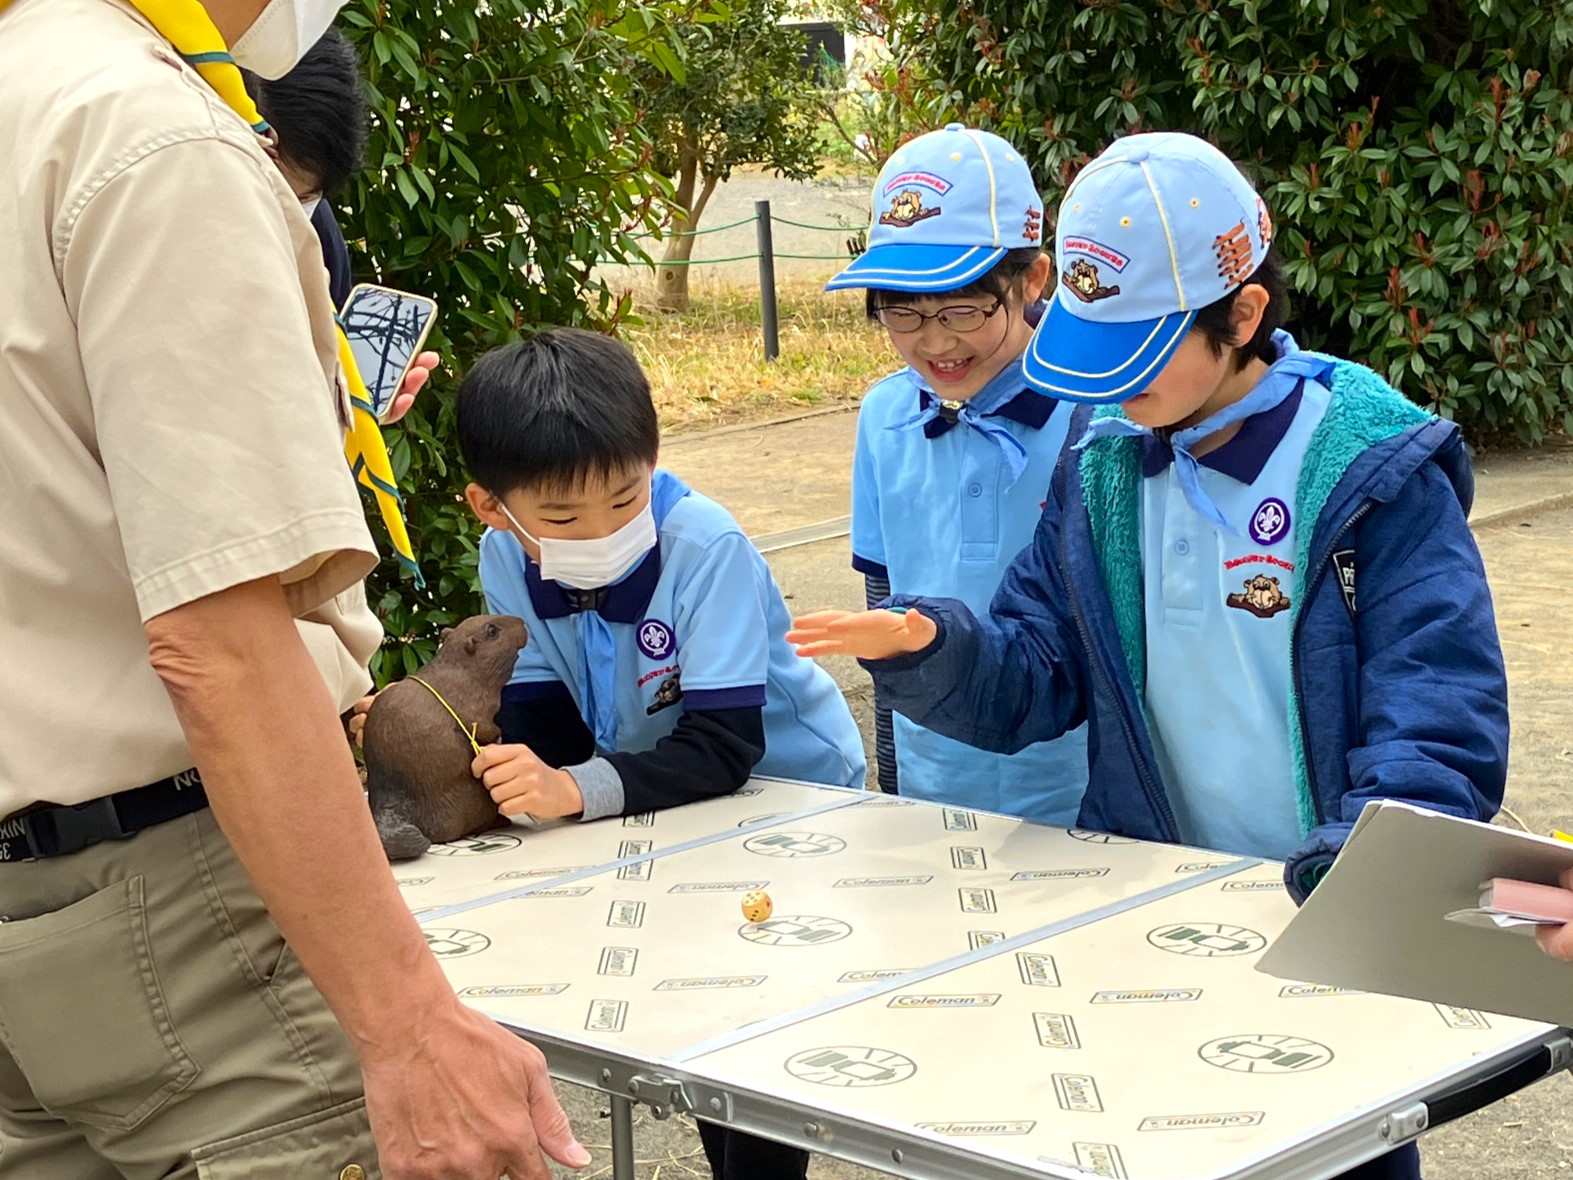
1243	456
622	602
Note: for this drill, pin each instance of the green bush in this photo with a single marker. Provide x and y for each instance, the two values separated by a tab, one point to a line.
1415	156
507	159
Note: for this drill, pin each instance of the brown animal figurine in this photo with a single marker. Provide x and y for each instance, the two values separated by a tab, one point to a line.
418	754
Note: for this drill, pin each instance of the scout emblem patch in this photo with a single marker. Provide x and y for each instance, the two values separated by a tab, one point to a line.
906	209
1262	597
1083	282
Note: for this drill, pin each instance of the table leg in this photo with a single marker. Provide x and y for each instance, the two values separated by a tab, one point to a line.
622	1138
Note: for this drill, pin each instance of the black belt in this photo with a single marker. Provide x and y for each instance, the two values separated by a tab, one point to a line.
50	829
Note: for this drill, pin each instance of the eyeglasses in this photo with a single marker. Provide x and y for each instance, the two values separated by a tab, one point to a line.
962	317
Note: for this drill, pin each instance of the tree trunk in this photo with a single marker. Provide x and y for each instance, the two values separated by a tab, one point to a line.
671	273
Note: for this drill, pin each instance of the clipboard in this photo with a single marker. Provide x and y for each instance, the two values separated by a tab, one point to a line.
1386	918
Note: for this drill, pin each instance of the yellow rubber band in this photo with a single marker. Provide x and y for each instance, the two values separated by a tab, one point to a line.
470	732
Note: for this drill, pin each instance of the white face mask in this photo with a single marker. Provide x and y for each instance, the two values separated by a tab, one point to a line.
281	34
589	565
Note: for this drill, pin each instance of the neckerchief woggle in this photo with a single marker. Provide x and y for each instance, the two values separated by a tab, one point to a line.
1269	393
186	25
976	413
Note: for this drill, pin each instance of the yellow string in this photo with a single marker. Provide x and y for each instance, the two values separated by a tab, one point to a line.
468	733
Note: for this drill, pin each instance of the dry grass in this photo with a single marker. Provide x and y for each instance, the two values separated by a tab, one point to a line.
707	366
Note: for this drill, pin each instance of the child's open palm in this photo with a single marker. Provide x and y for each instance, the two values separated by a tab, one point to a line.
867	635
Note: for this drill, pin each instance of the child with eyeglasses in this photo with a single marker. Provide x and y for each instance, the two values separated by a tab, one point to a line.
955	451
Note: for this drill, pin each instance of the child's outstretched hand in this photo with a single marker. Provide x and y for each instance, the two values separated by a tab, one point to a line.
521	784
866	634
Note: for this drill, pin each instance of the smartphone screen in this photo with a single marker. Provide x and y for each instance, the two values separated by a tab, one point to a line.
386	330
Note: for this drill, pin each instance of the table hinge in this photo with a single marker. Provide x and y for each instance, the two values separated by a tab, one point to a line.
664	1096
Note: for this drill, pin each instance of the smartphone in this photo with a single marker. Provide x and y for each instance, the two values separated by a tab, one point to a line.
386	330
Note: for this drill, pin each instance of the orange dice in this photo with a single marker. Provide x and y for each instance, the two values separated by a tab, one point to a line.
756	905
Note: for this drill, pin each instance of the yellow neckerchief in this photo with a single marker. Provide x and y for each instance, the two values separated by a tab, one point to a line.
468	731
186	25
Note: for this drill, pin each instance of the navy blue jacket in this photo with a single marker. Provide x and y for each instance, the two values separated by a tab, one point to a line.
1398	679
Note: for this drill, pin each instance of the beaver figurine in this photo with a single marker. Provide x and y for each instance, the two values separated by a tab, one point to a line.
418	756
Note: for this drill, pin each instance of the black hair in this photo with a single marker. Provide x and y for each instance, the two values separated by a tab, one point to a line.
554	411
1214	320
998	282
319	112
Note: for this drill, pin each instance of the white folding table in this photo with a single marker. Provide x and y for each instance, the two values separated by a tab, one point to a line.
946	993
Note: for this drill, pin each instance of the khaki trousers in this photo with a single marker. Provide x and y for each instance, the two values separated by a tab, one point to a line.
153	1023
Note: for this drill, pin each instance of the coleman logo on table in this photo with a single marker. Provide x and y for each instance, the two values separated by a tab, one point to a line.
1058	874
606	1016
875	882
1078	1092
1101	1159
977	901
1464	1018
645	819
1201	1122
709	983
1018	1128
1308	991
1199	866
635	872
1056	1030
402	882
978	1000
718	886
1037	970
529	874
1252	887
628	915
504	991
1159	995
564	891
968	858
618	960
874	976
982	938
960	821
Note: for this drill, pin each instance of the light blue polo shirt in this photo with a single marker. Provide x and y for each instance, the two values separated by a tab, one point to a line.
1217	605
935	510
699	624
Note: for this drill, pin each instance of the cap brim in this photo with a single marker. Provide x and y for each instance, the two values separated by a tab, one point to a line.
917	267
1079	360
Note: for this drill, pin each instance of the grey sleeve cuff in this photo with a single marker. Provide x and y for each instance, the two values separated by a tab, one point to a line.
601	786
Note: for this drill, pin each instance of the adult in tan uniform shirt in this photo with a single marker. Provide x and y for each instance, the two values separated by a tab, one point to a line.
181	548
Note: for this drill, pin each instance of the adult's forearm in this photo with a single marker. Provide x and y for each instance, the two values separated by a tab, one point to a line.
284	789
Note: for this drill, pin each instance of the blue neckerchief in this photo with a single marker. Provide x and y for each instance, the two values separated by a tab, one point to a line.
598	676
1002	397
1276	385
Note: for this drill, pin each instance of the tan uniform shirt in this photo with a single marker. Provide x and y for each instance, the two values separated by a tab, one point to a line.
170	420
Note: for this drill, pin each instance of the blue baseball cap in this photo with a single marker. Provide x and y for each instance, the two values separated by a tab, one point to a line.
947	206
1157	227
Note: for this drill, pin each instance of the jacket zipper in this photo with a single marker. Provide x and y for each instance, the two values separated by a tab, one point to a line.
1294	658
1155	792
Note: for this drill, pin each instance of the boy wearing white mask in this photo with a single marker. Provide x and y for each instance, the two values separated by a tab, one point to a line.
656	672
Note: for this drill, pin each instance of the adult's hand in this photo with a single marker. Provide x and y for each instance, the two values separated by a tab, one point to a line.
866	634
1557	941
414	381
466	1100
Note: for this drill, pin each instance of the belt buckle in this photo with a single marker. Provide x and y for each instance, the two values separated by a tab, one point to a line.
71	829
